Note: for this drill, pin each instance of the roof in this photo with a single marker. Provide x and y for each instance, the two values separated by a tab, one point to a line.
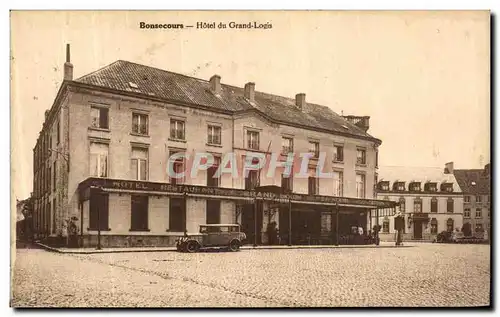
418	174
154	82
473	181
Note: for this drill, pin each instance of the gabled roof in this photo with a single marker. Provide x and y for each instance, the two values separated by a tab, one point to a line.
167	85
473	181
423	175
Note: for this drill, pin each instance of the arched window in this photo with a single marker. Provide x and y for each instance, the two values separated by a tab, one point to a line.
434	226
449	225
385	225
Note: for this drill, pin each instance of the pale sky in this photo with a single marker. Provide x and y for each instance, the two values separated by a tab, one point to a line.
423	77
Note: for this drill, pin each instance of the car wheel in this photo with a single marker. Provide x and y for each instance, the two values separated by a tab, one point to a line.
192	246
234	245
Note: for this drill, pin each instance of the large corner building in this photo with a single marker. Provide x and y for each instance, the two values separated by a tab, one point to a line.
102	156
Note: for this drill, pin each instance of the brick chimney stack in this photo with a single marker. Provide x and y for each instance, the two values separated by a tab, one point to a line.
300	100
448	168
250	91
68	67
215	84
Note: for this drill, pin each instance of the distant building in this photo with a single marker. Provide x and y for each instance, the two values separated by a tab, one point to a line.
430	201
476	186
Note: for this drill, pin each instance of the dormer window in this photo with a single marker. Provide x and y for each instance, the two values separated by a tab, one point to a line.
383	185
414	187
447	187
430	187
399	186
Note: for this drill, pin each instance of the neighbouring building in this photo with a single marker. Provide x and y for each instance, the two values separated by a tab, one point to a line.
476	187
102	157
430	200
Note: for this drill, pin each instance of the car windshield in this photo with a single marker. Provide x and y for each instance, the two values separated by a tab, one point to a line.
218	229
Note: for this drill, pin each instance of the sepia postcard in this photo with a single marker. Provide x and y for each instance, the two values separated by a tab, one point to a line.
250	159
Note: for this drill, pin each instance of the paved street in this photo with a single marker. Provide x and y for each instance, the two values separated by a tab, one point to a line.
421	275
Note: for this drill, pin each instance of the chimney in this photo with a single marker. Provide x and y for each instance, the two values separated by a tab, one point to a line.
215	84
68	67
250	91
300	100
448	168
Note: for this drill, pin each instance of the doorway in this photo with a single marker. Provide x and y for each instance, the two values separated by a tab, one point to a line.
248	222
417	230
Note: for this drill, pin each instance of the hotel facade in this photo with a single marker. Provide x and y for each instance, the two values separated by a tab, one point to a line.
102	158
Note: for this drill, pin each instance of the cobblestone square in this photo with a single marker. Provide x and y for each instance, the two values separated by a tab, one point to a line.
417	275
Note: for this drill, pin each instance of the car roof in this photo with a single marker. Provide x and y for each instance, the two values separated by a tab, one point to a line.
219	224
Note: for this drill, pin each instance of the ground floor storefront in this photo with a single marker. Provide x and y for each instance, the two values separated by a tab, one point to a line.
116	213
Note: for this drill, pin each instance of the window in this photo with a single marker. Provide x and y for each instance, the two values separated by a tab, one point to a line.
479	213
360	185
49	218
212	180
54	174
139	213
417	205
376	163
177	129
402	204
434	205
177	166
213	211
287	183
314	148
99	160
99	117
430	187
467	199
338	180
434	226
139	164
415	186
384	185
313	185
177	215
488	212
214	134
450	205
478	199
98	211
479	227
140	123
49	179
58	124
253	140
361	156
449	225
447	187
286	145
251	181
385	225
399	186
338	153
467	213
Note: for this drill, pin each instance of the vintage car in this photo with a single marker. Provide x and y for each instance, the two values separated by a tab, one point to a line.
227	236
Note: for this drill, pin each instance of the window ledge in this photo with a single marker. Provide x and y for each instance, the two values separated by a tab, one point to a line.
96	229
177	140
139	230
99	129
214	145
360	165
338	162
139	134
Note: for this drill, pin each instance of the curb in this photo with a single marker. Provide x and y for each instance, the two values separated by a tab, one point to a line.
250	248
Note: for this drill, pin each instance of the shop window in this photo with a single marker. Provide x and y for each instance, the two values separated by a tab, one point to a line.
213	211
99	213
177	215
139	213
385	225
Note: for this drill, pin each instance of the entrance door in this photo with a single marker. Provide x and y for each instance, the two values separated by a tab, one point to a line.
417	229
248	222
